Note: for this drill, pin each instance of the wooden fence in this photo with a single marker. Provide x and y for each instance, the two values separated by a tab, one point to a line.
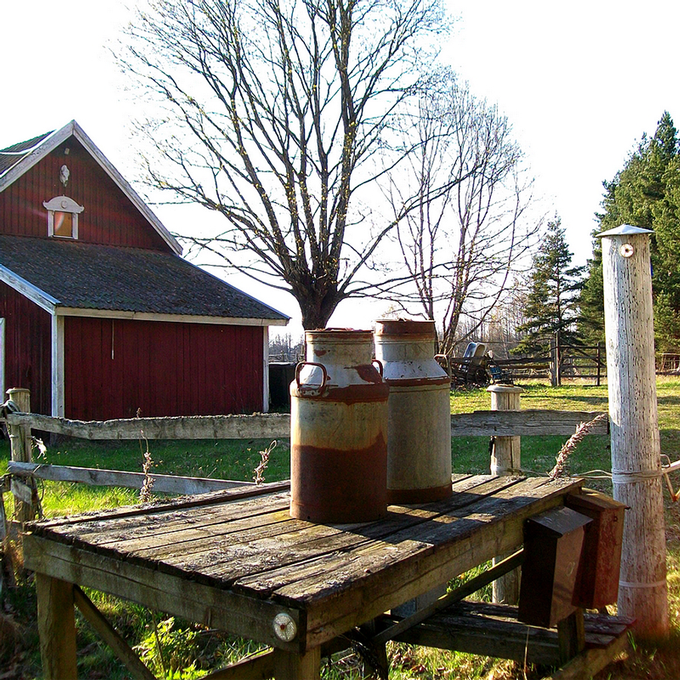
22	472
562	361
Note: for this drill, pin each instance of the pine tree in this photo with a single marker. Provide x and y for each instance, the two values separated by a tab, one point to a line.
645	193
552	301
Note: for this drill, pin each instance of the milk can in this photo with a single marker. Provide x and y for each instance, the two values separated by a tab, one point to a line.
338	430
419	429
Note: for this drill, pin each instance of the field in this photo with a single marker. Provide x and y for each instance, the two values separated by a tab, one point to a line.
176	649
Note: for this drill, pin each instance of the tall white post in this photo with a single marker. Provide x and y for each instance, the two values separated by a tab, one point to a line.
636	454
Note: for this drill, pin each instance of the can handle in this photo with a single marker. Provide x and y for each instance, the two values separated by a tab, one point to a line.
379	365
447	362
310	389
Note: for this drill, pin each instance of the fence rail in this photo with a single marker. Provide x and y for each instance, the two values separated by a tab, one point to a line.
539	422
23	473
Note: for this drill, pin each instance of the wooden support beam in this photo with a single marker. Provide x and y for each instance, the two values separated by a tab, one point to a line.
20	446
109	634
590	662
571	636
57	628
258	667
291	666
472	586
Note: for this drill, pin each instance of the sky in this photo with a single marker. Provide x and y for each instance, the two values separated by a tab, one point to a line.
580	82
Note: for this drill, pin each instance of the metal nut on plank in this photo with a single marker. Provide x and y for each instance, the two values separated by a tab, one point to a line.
285	627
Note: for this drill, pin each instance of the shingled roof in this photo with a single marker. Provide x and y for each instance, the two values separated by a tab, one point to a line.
13	154
87	276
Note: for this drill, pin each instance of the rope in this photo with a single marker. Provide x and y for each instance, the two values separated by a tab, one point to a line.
634	476
628	584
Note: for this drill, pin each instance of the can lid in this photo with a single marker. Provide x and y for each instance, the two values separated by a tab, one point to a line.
419	328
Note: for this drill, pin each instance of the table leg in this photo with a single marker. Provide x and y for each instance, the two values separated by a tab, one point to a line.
571	636
57	628
290	666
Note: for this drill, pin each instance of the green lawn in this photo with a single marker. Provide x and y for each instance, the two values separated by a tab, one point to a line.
182	643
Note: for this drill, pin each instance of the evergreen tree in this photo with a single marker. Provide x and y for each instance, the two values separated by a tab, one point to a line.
645	193
590	322
552	301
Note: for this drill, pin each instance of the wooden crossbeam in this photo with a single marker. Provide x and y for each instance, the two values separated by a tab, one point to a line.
109	634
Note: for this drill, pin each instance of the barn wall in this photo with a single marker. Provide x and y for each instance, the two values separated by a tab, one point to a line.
28	347
109	217
115	367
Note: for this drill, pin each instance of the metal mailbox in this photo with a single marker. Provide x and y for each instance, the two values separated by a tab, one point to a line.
598	582
552	543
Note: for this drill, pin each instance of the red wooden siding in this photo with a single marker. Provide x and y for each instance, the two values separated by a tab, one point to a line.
109	217
114	367
28	348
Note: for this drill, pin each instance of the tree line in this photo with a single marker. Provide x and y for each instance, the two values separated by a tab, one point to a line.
566	301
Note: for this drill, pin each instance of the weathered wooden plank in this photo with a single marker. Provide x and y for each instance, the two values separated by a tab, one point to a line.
528	422
257	426
592	661
185	555
494	630
57	627
265	582
259	667
382	577
226	563
144	510
277	426
219	608
173	484
154	545
111	637
160	521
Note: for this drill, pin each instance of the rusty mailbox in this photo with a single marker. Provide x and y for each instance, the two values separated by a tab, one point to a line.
598	581
553	542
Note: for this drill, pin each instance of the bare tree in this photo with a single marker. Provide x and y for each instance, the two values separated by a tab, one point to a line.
460	247
278	116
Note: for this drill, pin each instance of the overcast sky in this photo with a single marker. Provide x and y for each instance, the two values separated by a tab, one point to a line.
579	81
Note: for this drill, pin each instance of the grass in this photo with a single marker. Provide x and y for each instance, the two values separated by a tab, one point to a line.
184	644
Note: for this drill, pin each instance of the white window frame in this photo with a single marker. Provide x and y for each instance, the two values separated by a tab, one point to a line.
62	204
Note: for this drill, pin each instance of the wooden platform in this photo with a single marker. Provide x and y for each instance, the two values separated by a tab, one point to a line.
235	560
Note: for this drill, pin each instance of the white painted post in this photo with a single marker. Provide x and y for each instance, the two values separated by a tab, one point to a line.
506	460
636	454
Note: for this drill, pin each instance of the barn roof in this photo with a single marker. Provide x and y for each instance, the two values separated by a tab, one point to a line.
17	159
82	276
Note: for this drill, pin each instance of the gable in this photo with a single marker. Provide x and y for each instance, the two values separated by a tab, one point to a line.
108	218
113	212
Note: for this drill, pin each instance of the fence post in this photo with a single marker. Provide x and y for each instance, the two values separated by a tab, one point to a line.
20	445
599	363
636	453
506	460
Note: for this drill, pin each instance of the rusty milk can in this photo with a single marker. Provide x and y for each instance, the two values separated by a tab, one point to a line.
338	430
419	427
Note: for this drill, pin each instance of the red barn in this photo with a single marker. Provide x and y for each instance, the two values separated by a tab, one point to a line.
99	314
